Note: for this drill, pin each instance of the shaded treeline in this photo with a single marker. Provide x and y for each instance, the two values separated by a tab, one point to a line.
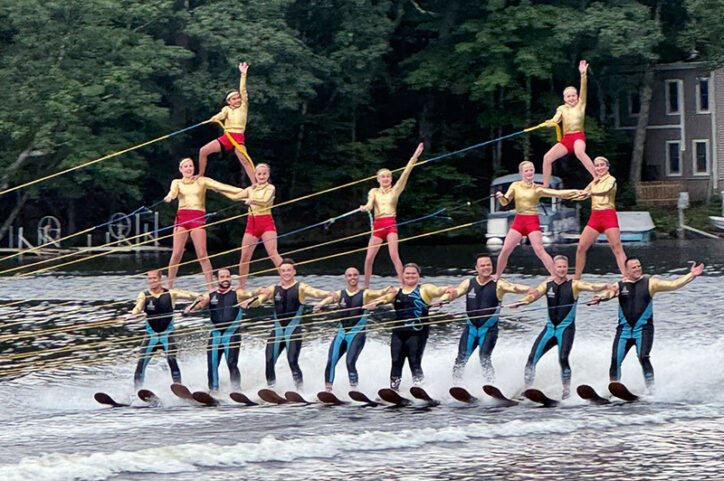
338	89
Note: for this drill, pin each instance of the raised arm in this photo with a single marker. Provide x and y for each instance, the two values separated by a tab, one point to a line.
583	91
658	285
402	181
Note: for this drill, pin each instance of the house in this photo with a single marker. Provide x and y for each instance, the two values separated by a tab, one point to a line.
685	134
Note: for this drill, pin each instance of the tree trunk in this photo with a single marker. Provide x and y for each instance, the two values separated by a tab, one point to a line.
637	156
22	198
17	164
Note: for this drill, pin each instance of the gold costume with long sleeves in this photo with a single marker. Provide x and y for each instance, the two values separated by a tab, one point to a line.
527	195
174	293
656	285
262	195
576	287
603	193
428	292
384	199
573	117
501	288
235	119
192	193
305	290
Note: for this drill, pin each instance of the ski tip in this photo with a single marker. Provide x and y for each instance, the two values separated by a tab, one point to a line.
294	397
204	398
242	399
104	398
620	390
538	396
329	398
461	394
361	397
181	391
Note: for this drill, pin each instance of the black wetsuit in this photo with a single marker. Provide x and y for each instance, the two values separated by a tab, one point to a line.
635	327
286	334
159	326
224	337
409	336
560	330
350	336
481	328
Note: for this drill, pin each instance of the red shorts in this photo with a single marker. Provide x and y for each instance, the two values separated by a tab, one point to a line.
256	225
189	218
226	143
603	219
526	223
383	227
569	139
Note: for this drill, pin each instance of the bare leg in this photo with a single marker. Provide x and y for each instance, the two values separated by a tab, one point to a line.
579	148
211	148
588	237
180	236
372	248
555	153
245	164
248	244
512	239
270	244
613	235
198	236
536	240
394	255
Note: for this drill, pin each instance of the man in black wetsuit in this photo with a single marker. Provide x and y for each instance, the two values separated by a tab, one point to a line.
412	327
636	314
224	336
561	292
483	295
288	296
350	337
157	303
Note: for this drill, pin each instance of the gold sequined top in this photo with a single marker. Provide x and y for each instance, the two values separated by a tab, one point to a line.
384	199
192	193
262	195
573	117
527	195
235	119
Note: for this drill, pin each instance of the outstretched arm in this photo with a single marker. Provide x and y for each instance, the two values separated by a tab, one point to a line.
532	296
658	285
228	190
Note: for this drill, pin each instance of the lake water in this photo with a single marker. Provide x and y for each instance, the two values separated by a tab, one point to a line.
52	429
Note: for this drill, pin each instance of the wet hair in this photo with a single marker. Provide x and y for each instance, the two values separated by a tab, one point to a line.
184	160
600	157
480	256
414	266
631	259
287	260
523	164
561	257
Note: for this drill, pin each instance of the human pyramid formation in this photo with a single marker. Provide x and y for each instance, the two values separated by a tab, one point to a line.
411	301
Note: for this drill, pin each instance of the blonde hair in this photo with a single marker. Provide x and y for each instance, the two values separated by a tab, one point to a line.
570	87
525	163
184	160
600	157
263	164
382	171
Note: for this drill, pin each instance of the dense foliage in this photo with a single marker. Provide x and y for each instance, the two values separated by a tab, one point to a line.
338	88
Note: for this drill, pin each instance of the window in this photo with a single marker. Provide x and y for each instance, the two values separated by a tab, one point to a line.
672	96
634	103
673	158
702	95
701	157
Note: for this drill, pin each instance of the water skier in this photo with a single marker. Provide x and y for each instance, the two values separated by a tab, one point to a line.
224	335
561	292
603	218
259	223
234	116
412	327
350	337
191	193
572	114
158	303
526	195
382	202
636	314
288	296
483	295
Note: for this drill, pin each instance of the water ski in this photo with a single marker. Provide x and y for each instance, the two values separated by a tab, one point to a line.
148	397
537	396
461	394
104	398
362	397
204	398
393	397
329	398
182	391
295	397
621	391
419	393
495	393
589	394
242	399
268	395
